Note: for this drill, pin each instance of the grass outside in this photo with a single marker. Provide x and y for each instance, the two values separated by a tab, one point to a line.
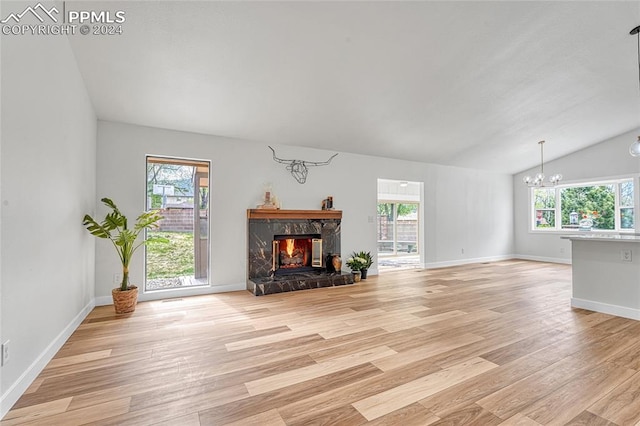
173	259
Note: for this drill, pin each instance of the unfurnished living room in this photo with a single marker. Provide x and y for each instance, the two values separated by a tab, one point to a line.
311	212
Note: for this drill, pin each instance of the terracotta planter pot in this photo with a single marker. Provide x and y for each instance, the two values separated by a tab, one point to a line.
125	301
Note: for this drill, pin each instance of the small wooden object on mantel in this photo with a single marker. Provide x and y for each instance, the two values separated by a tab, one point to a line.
270	201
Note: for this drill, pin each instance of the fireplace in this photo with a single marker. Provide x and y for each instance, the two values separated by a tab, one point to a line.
287	249
296	253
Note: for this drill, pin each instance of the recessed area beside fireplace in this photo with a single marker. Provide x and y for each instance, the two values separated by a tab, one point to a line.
287	250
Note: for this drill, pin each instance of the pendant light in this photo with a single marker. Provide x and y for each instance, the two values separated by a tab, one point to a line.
634	149
538	179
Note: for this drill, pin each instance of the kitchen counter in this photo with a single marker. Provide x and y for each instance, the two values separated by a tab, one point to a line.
606	273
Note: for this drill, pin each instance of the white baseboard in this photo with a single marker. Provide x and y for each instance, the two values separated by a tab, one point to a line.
104	301
447	263
619	311
543	259
18	388
173	293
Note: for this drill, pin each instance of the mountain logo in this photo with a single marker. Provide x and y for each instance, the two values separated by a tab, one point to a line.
38	11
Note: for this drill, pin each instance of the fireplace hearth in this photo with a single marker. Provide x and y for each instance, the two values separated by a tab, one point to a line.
287	250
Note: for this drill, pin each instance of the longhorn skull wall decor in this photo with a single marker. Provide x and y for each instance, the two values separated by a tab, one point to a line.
299	168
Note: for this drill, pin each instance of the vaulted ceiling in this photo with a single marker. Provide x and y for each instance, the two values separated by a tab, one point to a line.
470	84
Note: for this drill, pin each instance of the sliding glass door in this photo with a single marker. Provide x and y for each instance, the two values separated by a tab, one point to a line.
398	228
179	189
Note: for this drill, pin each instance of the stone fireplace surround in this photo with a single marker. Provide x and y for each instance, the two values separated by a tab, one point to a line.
264	224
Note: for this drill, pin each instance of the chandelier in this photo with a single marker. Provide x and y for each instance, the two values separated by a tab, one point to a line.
634	149
538	179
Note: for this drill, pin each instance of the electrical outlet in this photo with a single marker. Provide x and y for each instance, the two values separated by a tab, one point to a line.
117	278
561	250
625	255
462	250
5	353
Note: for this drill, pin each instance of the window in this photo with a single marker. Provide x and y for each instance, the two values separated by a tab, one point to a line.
179	189
626	205
607	206
545	206
597	202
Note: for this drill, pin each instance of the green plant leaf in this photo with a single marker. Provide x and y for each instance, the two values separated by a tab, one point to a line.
148	220
107	202
95	228
126	236
114	220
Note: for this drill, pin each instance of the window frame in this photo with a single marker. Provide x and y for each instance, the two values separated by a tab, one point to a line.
557	229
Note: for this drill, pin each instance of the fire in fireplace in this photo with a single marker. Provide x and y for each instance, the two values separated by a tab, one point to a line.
296	253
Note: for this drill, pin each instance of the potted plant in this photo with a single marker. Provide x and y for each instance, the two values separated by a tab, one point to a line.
114	228
368	261
356	264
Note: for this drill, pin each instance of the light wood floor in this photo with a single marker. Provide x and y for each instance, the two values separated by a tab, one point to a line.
481	344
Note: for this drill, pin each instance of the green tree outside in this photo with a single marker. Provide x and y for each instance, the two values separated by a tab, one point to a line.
386	209
595	202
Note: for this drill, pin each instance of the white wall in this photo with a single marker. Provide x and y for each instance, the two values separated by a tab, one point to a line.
465	209
469	215
48	184
609	158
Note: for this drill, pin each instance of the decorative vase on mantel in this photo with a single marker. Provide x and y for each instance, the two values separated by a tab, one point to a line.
356	276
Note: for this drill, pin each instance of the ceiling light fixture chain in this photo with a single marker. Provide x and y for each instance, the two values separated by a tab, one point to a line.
538	179
634	149
636	32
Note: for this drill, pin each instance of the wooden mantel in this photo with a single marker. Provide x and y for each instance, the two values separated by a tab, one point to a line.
293	214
